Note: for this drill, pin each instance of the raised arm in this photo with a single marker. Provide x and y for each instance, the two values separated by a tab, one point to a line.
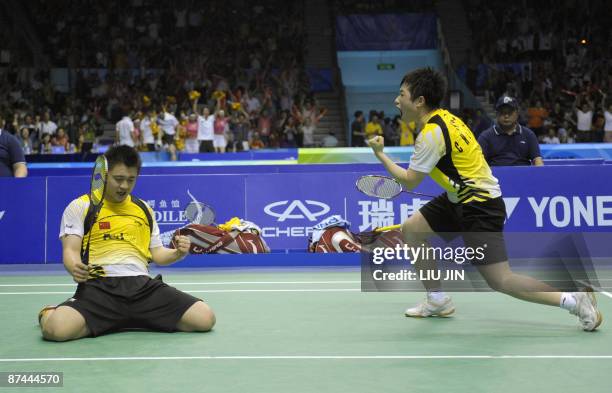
409	178
194	106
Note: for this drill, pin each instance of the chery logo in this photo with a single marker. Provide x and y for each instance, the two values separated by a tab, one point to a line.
296	209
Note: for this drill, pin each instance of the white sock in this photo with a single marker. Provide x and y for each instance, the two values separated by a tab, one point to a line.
437	296
568	301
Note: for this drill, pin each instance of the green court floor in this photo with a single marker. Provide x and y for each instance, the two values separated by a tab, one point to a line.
313	331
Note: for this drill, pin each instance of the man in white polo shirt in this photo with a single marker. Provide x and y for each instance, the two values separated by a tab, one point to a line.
205	129
47	126
167	122
146	130
584	121
124	132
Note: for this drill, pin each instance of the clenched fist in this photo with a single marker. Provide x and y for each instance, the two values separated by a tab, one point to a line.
182	244
377	143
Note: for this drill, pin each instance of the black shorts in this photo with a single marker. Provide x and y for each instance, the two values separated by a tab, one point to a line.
207	146
479	223
114	303
168	139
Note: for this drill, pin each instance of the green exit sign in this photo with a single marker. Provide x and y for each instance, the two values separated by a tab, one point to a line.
385	66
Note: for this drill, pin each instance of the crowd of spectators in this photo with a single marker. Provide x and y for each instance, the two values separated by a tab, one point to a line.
585	121
143	58
554	57
395	131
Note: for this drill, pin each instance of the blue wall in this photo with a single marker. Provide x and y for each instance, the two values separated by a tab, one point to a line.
408	31
367	88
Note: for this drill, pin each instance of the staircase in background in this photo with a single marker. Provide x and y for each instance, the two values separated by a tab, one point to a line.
456	30
321	53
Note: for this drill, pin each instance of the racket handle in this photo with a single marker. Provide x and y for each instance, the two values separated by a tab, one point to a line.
388	228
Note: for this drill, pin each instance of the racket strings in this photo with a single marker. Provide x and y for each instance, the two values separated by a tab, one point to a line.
199	213
380	187
98	181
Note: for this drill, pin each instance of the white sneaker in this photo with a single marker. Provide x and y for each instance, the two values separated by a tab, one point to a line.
431	308
586	310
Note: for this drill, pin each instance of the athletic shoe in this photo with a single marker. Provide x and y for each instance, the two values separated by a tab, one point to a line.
43	311
586	310
431	308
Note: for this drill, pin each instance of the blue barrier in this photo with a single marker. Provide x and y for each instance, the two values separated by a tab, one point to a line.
240	167
364	154
89	157
204	168
578	150
286	205
263	154
574	161
272	160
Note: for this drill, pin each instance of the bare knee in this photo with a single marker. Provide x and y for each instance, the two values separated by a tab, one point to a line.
198	318
207	320
64	324
51	334
53	331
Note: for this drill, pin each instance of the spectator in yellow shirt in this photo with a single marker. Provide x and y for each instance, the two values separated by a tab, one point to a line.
406	131
373	127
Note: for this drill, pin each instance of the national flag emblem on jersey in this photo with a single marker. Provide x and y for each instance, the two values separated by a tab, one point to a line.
104	225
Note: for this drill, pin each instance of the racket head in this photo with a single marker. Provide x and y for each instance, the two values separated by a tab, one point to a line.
98	181
379	186
199	213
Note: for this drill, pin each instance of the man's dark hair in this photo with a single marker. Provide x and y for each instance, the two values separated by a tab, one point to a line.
428	83
358	113
125	155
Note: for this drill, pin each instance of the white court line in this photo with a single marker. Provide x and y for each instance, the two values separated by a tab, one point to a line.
310	357
608	294
598	289
246	283
199	283
211	291
47	213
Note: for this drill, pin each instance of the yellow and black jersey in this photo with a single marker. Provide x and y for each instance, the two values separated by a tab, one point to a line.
121	237
446	149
